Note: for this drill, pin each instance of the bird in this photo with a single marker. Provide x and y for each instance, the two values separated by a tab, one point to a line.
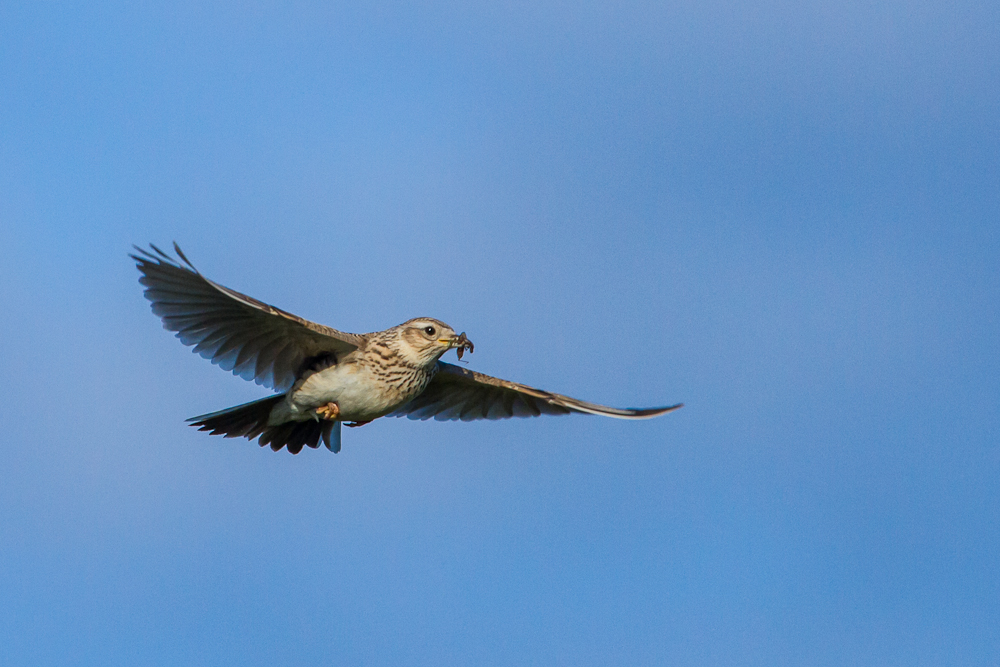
323	377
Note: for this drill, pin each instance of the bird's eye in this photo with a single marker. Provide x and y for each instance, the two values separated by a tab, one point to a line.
430	331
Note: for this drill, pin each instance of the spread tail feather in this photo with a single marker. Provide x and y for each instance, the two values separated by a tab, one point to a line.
250	421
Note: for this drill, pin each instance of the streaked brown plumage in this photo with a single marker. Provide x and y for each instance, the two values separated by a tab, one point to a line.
324	376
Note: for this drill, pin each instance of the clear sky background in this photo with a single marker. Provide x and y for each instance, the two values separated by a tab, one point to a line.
785	215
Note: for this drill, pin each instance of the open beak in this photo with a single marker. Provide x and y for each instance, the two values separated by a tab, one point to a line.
461	343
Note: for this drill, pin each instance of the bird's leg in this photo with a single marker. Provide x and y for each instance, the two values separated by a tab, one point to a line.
329	411
357	424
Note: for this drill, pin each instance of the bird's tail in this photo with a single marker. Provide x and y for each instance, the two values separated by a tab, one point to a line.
250	421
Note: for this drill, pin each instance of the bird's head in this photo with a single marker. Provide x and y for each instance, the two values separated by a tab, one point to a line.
423	340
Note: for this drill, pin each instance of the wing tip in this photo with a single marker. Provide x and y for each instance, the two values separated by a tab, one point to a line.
158	256
648	413
621	413
180	253
665	410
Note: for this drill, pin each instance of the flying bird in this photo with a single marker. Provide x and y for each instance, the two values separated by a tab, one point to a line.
324	377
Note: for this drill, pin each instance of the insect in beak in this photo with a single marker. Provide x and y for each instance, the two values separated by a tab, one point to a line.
461	343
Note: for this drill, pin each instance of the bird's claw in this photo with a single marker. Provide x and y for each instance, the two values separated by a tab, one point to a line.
329	411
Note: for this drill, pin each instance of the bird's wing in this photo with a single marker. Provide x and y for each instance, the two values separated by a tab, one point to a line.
458	393
239	333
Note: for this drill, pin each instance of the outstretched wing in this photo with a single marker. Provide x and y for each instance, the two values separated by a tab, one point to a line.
241	334
458	393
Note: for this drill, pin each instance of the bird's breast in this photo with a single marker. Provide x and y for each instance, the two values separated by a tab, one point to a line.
363	392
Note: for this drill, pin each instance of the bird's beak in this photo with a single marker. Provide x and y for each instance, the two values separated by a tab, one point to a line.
460	342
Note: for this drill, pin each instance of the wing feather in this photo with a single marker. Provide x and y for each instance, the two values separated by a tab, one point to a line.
239	333
458	393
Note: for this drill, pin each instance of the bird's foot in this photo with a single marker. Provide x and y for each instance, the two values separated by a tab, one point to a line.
357	424
329	411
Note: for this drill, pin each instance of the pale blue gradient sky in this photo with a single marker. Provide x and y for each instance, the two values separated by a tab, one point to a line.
785	215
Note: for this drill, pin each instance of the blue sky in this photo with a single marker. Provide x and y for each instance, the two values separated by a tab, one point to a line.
785	215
